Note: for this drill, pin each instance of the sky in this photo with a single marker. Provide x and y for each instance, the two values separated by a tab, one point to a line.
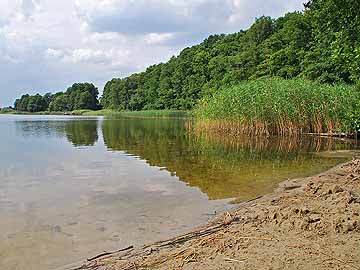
47	45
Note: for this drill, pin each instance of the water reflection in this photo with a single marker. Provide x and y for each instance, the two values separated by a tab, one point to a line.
79	132
221	166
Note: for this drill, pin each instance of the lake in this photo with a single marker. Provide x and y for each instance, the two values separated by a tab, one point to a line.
72	187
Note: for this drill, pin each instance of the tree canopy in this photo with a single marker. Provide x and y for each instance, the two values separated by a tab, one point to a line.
77	97
34	103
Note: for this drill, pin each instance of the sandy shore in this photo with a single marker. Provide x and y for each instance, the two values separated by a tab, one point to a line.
310	223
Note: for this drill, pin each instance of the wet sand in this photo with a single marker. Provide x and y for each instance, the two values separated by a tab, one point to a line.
308	223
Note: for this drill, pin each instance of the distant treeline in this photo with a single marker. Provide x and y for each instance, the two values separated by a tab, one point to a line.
321	44
77	97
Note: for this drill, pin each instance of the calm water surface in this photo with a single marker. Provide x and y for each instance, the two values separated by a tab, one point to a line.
72	187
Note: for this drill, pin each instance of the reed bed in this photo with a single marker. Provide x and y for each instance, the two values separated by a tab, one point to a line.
281	107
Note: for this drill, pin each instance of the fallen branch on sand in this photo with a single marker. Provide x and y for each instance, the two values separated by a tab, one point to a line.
109	253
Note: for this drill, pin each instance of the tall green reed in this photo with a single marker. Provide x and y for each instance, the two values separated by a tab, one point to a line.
282	107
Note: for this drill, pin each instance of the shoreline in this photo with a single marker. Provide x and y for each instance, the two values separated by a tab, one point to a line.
306	223
107	112
163	114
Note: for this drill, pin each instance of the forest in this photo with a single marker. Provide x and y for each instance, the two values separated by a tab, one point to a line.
77	97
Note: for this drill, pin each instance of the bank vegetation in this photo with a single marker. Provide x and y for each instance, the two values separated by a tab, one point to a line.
281	107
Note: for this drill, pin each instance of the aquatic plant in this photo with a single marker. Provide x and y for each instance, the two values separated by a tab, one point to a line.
282	107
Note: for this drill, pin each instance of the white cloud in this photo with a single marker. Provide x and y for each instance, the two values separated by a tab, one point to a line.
54	53
112	57
9	9
158	38
89	55
168	16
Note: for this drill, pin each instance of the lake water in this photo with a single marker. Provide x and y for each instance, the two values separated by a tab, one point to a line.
72	187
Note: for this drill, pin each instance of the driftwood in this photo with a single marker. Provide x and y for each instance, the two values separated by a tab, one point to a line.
109	253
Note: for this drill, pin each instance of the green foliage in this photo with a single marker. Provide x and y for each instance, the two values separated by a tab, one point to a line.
82	96
59	103
321	44
335	48
79	96
34	103
153	114
103	112
278	106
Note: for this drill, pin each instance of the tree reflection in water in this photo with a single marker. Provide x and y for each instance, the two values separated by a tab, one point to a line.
221	166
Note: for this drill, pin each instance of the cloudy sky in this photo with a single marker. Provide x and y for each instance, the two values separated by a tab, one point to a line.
46	45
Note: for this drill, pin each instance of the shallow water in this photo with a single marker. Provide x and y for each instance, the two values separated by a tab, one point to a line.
72	187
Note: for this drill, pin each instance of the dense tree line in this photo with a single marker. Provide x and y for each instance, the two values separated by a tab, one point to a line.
35	103
322	44
77	97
